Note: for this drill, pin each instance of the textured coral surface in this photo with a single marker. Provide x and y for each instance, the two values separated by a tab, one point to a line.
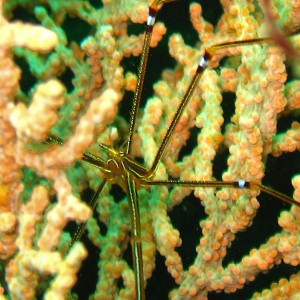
68	69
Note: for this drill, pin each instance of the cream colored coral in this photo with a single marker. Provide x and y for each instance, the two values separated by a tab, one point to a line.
36	38
35	122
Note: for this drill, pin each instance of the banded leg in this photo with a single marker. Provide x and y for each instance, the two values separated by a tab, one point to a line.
136	239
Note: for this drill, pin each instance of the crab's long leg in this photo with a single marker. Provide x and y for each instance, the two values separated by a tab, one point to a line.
136	239
209	52
153	10
241	184
82	226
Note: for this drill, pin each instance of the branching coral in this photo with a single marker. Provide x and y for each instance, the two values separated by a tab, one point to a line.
80	93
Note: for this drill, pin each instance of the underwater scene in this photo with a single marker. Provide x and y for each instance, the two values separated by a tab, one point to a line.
149	149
